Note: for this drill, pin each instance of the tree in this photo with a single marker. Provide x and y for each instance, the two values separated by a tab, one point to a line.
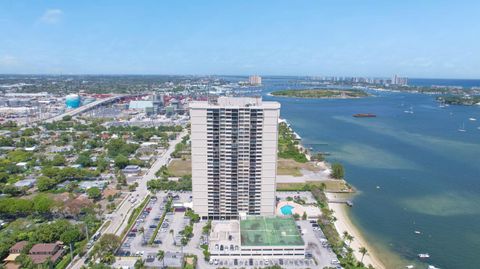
160	256
139	264
337	171
364	251
45	183
121	161
67	118
25	261
84	160
71	236
42	204
58	160
106	247
304	216
347	237
94	193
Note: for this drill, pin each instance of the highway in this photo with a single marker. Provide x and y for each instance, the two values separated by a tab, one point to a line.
119	218
83	108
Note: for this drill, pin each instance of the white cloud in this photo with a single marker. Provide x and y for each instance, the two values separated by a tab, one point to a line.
52	16
8	60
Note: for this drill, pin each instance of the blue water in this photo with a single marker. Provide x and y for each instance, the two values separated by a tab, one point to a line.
428	171
286	209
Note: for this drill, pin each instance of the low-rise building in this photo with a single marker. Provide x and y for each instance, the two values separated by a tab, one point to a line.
131	169
28	183
256	236
39	253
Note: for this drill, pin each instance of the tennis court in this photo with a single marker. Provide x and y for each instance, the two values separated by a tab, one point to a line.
270	231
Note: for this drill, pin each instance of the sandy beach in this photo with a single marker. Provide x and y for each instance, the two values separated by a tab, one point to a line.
342	224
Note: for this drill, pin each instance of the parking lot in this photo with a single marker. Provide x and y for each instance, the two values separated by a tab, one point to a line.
139	236
168	239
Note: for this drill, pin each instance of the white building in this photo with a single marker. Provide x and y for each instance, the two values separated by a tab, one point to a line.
255	80
234	157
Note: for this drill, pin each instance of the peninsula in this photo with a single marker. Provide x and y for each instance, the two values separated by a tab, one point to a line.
321	93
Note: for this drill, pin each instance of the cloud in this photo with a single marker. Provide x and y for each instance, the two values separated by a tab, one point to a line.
52	16
8	60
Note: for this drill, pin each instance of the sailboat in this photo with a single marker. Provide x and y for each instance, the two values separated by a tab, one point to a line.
462	128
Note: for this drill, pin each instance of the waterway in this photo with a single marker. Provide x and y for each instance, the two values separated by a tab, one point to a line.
414	171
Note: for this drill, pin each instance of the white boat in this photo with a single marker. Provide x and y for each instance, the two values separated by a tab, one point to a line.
462	128
378	187
417	232
409	266
472	119
432	267
424	255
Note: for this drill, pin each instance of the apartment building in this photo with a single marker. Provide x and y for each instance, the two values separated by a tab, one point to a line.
234	156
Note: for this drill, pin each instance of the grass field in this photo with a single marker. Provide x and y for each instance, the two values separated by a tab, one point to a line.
270	231
333	185
293	168
179	168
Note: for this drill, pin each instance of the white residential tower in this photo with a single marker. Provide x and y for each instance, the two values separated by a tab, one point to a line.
234	157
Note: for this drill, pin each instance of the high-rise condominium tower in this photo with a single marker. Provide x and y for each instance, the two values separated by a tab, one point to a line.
234	157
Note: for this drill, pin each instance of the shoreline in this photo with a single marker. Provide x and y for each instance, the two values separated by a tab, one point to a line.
344	223
319	98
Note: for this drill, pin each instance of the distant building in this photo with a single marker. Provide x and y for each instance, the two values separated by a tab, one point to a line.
131	169
29	183
234	154
140	105
401	81
255	80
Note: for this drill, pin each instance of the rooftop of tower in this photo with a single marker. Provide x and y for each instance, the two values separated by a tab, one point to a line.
235	102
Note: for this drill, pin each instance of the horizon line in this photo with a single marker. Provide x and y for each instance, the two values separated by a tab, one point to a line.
220	75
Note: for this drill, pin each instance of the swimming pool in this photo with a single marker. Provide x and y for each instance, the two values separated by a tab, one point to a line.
286	209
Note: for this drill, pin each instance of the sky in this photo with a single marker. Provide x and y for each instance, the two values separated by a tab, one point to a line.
414	38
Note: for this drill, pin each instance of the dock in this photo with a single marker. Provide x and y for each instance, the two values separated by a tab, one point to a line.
341	201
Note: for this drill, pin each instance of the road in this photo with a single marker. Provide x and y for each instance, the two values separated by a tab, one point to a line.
82	109
119	218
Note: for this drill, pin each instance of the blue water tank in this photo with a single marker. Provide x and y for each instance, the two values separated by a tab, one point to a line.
73	101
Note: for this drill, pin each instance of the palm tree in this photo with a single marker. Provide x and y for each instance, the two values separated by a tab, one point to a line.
160	256
364	251
347	237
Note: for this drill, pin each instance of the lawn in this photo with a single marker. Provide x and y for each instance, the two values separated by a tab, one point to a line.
179	168
293	168
333	185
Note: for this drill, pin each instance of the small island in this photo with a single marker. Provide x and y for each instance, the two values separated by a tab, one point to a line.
321	93
465	100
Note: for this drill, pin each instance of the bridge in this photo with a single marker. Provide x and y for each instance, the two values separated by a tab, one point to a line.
87	107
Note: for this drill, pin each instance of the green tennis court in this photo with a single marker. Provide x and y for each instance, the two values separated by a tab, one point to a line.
270	231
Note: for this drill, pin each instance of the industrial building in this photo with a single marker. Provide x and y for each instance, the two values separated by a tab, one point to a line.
234	157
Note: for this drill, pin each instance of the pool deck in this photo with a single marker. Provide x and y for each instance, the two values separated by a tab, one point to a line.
297	209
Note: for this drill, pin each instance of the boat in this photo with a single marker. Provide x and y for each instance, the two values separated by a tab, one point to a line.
424	255
364	115
462	128
409	266
432	267
417	232
378	187
409	111
472	119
